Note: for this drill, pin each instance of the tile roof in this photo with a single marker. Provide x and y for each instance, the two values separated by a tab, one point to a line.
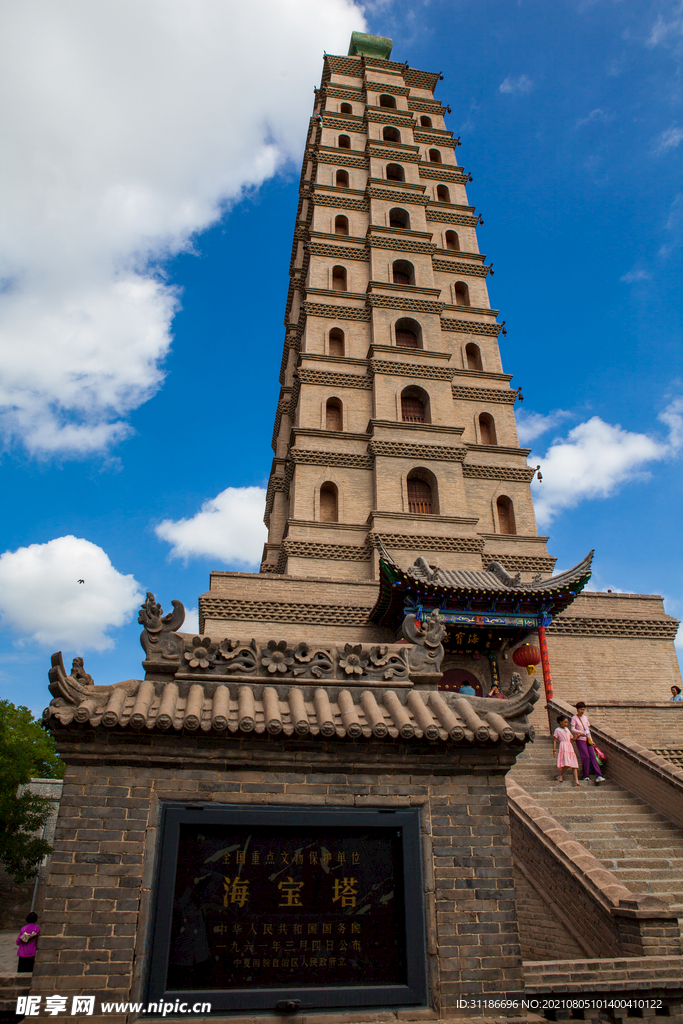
495	578
235	709
447	587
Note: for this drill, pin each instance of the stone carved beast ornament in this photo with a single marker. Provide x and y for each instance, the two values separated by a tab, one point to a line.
158	639
150	616
427	652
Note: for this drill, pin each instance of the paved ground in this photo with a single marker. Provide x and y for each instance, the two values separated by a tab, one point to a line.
8	951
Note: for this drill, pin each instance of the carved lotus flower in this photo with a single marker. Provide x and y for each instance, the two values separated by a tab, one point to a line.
355	661
200	652
277	657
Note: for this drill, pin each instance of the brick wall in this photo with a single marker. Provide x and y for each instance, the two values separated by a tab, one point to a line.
542	935
613	647
653	724
96	918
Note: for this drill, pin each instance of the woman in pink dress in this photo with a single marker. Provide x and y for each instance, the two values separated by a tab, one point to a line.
566	758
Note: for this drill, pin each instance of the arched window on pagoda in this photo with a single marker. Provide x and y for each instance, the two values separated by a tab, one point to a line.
462	294
442	194
341	224
452	240
333	414
421	486
344	142
346	108
403	272
336	342
487	429
391	134
399	218
387	101
342	179
506	515
408	333
414	405
434	156
395	173
329	512
425	122
473	356
339	278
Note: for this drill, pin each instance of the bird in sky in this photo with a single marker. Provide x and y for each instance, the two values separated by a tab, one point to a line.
81	581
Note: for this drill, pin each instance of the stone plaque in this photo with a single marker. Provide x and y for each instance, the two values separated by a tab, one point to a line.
274	904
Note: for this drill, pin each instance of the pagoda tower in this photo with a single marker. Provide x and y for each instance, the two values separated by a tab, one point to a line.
395	420
395	439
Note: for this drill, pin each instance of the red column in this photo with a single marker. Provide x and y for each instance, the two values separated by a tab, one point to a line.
545	662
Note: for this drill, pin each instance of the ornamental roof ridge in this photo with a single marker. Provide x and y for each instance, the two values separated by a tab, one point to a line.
494	577
260	699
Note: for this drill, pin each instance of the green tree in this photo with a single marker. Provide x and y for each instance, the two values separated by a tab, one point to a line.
26	751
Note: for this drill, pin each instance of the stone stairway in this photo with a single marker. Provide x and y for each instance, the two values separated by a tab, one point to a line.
11	987
640	847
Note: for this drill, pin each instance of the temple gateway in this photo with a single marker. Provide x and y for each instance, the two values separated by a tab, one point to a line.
313	806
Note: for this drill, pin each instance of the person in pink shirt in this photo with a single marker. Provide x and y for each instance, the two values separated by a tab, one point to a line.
26	942
581	730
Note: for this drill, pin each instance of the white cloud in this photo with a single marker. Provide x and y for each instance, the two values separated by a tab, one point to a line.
531	425
516	86
595	115
191	623
41	598
598	584
596	458
668	139
126	129
665	32
635	275
228	527
672	416
674	225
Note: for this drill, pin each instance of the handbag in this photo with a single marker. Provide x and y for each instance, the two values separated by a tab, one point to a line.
600	755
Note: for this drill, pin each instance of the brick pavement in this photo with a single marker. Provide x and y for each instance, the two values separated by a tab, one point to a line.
8	951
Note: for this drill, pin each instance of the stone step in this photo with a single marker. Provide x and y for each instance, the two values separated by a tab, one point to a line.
614	815
11	987
643	874
635	827
547	781
13	980
644	844
672	863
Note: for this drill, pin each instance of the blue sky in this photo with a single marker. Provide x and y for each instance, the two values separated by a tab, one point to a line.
148	211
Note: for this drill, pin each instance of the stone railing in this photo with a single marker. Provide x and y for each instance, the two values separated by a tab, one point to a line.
606	918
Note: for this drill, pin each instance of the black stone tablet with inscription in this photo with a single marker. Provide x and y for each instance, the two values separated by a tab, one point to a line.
260	905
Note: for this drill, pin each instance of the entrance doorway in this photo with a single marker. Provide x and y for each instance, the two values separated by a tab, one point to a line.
454	678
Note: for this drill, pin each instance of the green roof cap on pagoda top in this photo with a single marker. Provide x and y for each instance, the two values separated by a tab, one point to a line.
362	45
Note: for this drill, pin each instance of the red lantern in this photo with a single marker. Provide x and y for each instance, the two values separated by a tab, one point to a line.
527	657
